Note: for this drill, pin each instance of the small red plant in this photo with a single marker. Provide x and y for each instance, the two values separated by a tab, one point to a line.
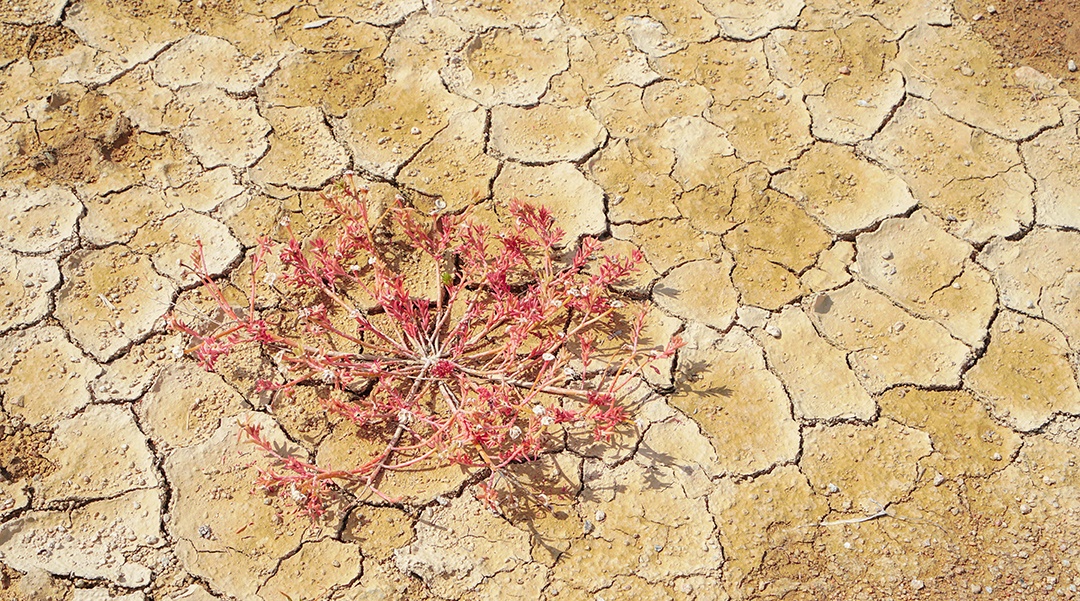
475	371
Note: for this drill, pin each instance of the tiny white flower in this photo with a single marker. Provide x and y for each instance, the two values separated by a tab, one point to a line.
616	304
556	302
371	261
177	351
539	410
548	357
547	420
354	268
284	222
270	278
514	432
404	417
327	375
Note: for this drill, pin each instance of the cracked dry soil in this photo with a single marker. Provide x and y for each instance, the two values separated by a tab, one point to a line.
862	216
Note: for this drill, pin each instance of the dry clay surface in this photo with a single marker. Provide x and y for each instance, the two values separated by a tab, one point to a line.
862	218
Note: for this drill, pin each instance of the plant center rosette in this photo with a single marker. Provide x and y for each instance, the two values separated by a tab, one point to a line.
445	341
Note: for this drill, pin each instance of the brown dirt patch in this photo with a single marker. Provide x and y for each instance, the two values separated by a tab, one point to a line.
21	454
48	41
1043	34
37	42
14	42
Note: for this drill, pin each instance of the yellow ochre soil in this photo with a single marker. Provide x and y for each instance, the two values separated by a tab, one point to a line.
862	216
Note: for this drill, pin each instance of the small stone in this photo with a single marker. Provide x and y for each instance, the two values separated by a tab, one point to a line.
996	457
833	489
772	330
991	9
601	515
918	584
587	527
780	94
1072	66
845	70
1025	509
976	589
939	480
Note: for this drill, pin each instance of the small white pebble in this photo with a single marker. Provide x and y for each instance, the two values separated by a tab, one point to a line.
1072	66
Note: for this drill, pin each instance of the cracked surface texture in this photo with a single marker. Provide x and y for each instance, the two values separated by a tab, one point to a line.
862	216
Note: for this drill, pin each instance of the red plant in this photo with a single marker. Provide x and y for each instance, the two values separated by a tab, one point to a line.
477	375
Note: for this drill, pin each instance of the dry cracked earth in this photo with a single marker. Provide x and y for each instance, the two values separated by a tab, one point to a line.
862	216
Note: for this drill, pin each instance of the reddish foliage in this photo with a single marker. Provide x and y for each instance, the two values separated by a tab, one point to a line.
477	376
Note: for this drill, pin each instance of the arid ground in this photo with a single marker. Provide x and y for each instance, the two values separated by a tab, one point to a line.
863	217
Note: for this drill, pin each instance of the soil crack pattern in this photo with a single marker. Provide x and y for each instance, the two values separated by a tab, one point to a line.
861	218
